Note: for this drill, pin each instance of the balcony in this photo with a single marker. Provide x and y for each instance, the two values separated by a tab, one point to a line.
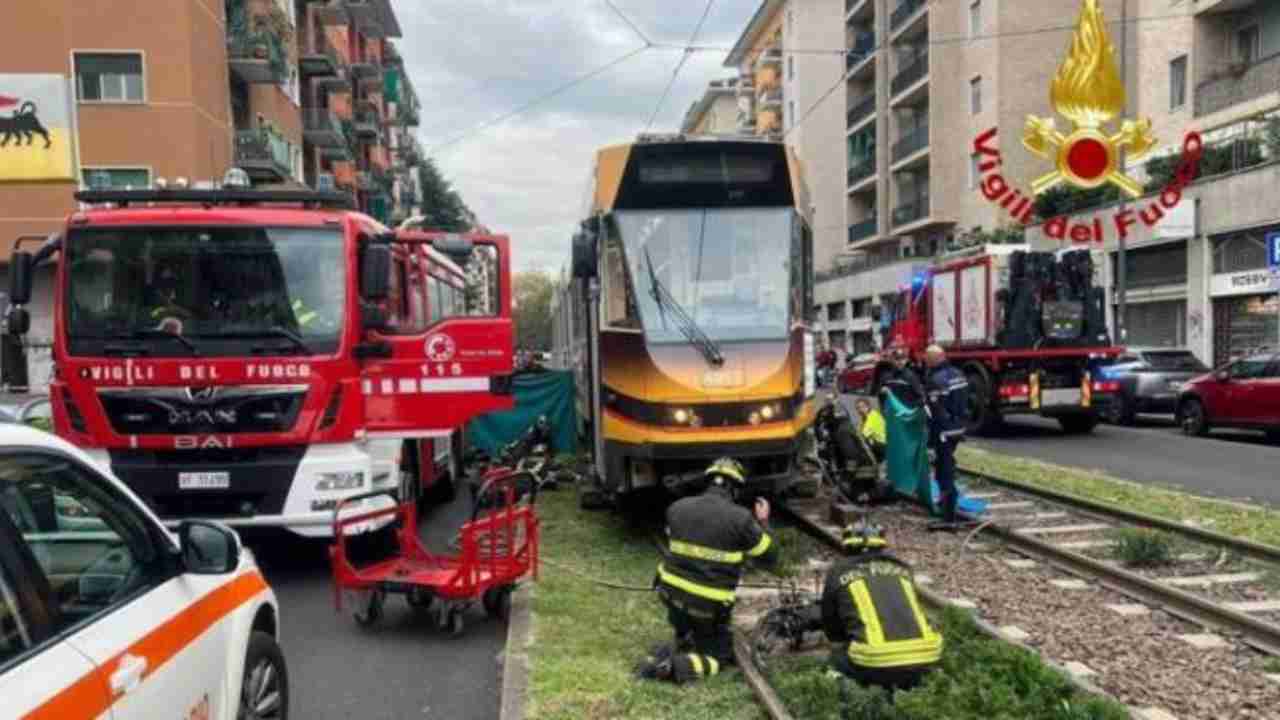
905	10
322	128
769	58
321	60
913	71
1238	84
367	126
410	152
913	209
367	68
771	98
264	155
861	50
363	12
863	229
860	169
257	57
861	110
911	142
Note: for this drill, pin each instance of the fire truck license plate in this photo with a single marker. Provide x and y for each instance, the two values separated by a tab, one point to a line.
204	481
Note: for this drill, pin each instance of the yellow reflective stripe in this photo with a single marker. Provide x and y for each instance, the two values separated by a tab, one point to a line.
867	612
713	666
762	546
700	552
702	591
306	318
910	591
900	653
697	664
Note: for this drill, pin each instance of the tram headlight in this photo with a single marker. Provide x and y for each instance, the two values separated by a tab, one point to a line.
754	418
767	413
686	416
681	416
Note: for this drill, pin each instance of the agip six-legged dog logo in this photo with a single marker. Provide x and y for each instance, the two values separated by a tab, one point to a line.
22	125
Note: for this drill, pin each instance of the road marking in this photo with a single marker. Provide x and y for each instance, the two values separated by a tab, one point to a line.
1064	529
1207	580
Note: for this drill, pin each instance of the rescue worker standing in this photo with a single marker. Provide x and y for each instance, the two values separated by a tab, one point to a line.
710	538
872	615
903	381
948	394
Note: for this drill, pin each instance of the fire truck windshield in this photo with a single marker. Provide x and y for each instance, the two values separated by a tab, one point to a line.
730	269
223	291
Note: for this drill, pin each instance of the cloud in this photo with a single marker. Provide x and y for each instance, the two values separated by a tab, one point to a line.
473	61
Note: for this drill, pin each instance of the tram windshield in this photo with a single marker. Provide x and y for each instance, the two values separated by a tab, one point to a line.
728	269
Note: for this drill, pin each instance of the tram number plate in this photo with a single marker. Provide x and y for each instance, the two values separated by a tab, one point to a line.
204	480
723	378
1066	396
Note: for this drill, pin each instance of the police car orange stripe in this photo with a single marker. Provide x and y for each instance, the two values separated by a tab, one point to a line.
91	696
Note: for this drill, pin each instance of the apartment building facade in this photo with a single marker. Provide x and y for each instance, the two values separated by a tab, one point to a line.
295	92
1198	278
923	78
716	112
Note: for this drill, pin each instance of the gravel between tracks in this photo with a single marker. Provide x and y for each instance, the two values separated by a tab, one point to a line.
1137	659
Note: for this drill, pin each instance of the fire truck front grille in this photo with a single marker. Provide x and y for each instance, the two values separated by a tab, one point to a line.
209	410
258	480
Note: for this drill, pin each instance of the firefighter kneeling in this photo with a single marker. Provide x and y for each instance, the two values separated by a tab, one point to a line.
711	537
871	612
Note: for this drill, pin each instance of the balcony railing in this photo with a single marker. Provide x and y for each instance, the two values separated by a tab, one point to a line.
903	12
861	109
367	125
322	128
911	211
368	67
321	59
910	74
863	45
860	169
256	56
772	56
863	229
1238	84
771	97
911	142
264	155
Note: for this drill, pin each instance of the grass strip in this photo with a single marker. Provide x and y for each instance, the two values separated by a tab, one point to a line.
978	679
1255	523
586	639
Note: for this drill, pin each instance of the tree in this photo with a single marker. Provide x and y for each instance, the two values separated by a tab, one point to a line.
532	311
442	207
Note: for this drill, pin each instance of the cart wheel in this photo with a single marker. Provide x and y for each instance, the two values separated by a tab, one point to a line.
372	611
455	622
419	599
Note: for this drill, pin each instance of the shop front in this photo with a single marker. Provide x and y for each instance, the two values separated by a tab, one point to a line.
1246	314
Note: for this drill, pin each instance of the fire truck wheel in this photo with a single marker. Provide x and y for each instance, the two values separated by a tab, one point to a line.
372	610
984	417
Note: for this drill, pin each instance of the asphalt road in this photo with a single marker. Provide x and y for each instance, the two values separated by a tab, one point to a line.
403	668
1233	465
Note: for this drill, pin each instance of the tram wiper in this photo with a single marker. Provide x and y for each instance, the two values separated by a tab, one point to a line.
683	321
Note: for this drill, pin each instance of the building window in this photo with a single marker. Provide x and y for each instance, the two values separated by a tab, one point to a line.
1178	82
975	95
974	173
791	67
975	18
109	77
1247	44
116	178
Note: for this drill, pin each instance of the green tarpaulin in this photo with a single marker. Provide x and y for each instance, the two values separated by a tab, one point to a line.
547	393
907	457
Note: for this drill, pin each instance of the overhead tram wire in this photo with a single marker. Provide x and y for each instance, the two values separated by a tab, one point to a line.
679	65
634	28
560	90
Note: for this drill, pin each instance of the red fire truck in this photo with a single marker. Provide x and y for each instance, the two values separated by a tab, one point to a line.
256	357
1027	328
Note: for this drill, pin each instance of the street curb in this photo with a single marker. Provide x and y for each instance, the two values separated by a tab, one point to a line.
515	656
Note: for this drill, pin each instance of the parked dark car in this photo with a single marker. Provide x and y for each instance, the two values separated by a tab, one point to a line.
1150	381
1242	394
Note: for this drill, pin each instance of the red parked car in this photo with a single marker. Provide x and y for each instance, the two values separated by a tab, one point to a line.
857	374
1242	394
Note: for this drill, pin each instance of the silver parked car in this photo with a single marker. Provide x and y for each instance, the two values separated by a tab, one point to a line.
1150	381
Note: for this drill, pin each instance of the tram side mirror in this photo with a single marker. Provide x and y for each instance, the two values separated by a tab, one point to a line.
584	255
458	248
20	269
375	272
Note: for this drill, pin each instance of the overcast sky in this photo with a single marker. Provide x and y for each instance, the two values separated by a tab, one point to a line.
473	61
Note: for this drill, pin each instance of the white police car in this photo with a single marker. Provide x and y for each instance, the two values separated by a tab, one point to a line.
106	614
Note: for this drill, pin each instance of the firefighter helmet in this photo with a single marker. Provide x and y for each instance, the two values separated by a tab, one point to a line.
729	468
